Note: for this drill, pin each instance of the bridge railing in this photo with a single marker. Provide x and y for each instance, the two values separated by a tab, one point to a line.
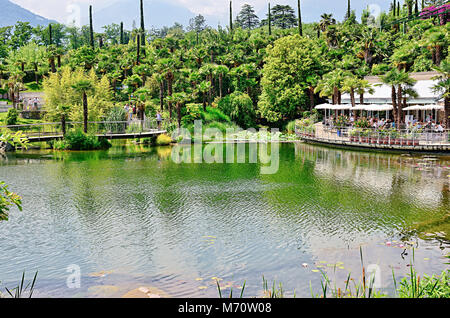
98	128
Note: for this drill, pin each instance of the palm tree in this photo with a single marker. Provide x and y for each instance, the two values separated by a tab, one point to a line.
397	79
208	71
179	99
168	65
221	71
14	84
84	86
349	85
435	39
443	87
363	87
51	54
203	88
63	112
327	20
312	82
331	85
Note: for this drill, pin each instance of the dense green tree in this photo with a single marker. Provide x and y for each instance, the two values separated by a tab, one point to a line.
197	24
284	77
283	16
247	19
21	35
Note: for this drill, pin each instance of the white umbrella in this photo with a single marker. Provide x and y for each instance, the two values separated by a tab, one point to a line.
323	106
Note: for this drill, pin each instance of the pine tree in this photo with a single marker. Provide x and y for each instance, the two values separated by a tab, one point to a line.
247	18
284	16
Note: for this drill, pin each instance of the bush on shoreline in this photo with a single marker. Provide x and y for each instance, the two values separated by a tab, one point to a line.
78	140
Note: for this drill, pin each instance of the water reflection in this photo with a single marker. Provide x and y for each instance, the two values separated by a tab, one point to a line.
150	221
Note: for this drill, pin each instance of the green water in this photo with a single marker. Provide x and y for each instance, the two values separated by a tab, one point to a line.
147	221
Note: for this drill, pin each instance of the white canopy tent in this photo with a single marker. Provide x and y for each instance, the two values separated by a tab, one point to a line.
330	107
370	108
424	109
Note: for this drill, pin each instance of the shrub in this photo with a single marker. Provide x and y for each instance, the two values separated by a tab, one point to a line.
290	128
239	107
193	112
214	114
78	140
116	114
11	117
134	128
163	140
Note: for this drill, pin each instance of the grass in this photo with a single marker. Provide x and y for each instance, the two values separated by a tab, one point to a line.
32	87
23	292
20	121
411	286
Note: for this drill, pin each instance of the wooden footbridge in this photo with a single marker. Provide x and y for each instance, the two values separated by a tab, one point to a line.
108	130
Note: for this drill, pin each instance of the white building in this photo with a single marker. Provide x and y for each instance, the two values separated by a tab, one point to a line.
383	92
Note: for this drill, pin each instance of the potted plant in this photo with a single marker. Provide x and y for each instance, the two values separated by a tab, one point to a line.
395	137
365	136
382	137
353	135
340	122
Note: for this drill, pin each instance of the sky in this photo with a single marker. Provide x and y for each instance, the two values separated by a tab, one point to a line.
57	9
61	10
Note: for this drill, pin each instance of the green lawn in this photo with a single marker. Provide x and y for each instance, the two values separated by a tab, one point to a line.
32	87
20	121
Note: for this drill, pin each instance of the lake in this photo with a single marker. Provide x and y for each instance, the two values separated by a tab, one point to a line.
131	217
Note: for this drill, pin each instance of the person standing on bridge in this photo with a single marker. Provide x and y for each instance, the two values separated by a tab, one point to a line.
35	103
159	120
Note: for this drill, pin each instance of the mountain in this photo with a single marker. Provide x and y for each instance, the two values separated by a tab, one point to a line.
158	13
10	13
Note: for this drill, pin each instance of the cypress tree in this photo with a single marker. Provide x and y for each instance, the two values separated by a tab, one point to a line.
231	16
300	28
395	8
138	41
416	7
121	33
398	9
348	9
142	24
91	28
270	21
50	34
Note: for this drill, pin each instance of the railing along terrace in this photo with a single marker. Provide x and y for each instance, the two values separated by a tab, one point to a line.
401	137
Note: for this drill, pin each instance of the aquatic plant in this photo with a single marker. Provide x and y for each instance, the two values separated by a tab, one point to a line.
23	292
